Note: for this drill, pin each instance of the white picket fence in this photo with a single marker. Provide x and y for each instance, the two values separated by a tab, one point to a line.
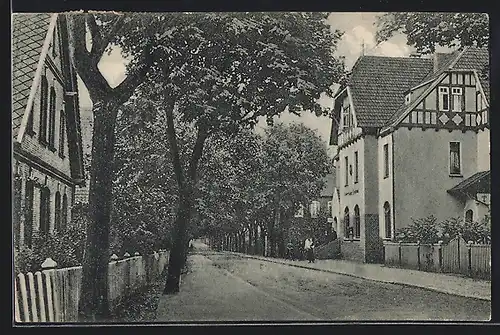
52	295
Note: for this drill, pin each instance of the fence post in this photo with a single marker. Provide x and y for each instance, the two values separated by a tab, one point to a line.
48	267
469	256
418	255
400	256
440	255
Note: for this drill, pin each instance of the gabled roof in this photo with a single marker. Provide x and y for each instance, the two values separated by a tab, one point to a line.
471	58
31	35
477	183
28	36
378	84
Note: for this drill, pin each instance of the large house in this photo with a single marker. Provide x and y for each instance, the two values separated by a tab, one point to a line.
47	152
412	139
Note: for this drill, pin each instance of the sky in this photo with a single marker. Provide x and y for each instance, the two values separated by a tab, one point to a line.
359	29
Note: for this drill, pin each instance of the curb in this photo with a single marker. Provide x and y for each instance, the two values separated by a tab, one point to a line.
434	289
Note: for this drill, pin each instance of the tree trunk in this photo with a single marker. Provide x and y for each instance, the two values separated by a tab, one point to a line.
256	238
178	252
93	303
186	184
263	242
250	239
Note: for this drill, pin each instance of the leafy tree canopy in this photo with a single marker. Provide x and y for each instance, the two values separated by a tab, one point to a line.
426	30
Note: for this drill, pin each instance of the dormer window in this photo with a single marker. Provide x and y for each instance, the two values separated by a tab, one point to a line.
347	120
408	98
444	99
456	93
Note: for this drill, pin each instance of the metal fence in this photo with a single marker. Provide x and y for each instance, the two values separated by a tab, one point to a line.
52	295
458	256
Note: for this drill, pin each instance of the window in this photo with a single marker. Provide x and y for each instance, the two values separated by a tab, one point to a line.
54	45
456	92
43	110
346	222
444	99
64	212
62	126
44	210
455	158
356	168
315	206
479	101
387	220
329	208
346	117
469	216
28	218
29	126
17	210
300	212
335	224
58	211
346	171
52	118
357	222
386	160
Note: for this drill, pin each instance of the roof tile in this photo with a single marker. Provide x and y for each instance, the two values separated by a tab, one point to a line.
378	85
28	36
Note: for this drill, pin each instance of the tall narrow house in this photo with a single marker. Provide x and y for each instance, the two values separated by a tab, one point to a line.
413	140
47	151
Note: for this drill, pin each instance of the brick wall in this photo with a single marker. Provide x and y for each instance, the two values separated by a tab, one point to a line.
42	180
31	143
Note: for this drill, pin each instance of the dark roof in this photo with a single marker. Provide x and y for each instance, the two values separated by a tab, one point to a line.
441	63
327	191
28	34
378	84
477	183
471	58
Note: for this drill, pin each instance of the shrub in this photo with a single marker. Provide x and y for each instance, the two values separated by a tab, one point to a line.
428	230
424	230
65	247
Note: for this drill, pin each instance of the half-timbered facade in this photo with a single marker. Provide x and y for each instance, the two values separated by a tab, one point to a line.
409	132
47	155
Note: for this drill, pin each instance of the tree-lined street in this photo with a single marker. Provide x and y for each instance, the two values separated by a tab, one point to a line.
227	287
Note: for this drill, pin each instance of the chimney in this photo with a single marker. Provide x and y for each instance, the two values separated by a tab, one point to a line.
438	58
436	62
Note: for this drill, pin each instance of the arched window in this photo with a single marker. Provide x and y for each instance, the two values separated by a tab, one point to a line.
357	222
58	211
64	212
346	222
469	216
44	210
44	86
387	220
28	213
52	119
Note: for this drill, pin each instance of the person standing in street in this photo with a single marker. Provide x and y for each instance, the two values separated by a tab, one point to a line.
309	249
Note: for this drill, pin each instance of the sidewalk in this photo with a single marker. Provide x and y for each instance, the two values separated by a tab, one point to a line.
461	286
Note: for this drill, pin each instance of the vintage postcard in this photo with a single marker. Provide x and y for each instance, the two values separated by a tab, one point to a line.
257	167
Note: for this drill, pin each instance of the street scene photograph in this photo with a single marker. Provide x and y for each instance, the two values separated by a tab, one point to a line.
250	167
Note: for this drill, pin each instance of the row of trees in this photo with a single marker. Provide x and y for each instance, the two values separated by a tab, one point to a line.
213	73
